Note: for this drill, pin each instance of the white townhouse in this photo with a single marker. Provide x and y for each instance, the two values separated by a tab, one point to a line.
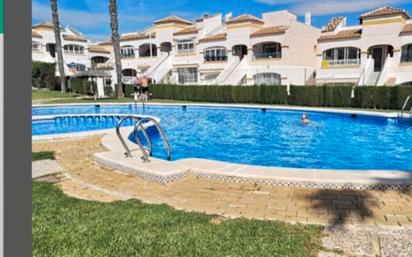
78	52
274	49
378	51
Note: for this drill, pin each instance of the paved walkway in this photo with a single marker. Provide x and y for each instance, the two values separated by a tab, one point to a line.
44	167
85	179
367	241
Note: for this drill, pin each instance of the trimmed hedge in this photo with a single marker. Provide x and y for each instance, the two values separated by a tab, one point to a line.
372	97
43	75
221	94
82	86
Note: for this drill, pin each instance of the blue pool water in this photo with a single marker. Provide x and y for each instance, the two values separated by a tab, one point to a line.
252	136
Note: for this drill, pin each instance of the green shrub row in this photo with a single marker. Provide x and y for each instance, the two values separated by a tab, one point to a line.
43	75
221	94
372	97
82	86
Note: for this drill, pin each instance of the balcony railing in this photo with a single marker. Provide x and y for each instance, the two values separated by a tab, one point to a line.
262	55
215	58
344	62
185	51
73	52
127	55
128	79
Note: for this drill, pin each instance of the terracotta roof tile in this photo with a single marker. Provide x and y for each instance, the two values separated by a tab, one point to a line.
74	38
136	37
333	23
188	30
36	34
344	34
407	29
173	19
98	49
44	24
107	42
384	11
244	18
216	37
269	31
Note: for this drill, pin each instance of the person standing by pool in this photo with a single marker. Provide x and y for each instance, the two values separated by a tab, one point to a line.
137	87
145	87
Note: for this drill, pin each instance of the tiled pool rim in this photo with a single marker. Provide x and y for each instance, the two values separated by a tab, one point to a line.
164	172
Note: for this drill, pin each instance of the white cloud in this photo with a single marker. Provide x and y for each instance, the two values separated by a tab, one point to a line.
83	19
328	7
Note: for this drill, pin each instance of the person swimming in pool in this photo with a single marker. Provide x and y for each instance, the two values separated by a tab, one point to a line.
305	119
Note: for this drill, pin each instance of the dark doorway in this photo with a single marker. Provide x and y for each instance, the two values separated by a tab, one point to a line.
379	54
239	50
51	48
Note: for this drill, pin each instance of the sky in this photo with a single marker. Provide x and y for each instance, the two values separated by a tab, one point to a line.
91	17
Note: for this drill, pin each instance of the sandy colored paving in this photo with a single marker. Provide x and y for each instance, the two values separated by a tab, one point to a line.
84	179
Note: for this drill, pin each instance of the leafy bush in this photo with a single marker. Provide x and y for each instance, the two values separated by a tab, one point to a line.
108	91
83	86
43	75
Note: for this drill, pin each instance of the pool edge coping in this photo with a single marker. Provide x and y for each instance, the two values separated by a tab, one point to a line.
165	172
392	114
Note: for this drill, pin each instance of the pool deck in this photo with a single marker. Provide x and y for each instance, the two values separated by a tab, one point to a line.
85	179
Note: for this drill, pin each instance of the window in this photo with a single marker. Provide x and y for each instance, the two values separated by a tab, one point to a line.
147	50
267	79
342	56
187	75
127	51
35	46
99	59
406	53
215	54
268	50
77	66
73	49
129	72
185	46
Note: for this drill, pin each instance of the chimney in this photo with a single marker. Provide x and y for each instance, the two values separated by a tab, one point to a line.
308	18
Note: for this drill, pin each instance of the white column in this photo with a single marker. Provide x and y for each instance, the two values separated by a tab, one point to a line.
100	87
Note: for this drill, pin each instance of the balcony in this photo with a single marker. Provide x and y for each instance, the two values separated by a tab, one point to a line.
267	55
341	62
215	58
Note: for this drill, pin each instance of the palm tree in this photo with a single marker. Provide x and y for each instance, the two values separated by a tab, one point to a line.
56	24
114	25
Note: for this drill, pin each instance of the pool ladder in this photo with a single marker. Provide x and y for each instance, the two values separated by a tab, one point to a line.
140	121
405	106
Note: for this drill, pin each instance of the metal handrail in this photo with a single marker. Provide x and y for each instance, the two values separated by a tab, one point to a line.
404	106
137	119
161	132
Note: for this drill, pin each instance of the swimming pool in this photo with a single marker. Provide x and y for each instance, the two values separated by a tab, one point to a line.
259	137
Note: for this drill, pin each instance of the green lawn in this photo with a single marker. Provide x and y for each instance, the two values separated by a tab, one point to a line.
65	226
46	155
46	94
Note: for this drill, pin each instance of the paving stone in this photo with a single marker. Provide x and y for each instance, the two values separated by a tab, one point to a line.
317	206
44	167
